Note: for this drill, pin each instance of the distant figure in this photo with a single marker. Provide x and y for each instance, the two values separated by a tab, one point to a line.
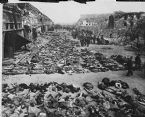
130	67
27	31
88	38
98	40
94	39
138	62
110	35
81	38
34	34
102	39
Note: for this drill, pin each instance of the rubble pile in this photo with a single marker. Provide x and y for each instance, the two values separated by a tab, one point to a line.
67	100
60	55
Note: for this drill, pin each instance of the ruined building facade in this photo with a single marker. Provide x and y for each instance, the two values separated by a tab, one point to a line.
19	19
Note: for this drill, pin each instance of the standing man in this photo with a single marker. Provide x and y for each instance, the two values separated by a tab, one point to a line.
88	40
110	35
85	38
102	39
130	67
34	34
138	62
94	39
81	39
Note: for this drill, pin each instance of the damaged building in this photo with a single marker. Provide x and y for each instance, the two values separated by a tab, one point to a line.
19	22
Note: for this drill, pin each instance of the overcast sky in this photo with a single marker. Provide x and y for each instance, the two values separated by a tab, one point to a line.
69	12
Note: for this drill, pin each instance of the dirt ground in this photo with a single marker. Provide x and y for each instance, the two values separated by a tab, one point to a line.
134	81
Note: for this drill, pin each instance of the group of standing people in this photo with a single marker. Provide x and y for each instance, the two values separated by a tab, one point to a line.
130	65
85	37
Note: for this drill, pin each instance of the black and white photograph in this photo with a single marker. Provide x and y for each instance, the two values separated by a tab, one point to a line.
72	59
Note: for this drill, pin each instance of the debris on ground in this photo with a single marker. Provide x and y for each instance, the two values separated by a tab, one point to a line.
58	54
67	100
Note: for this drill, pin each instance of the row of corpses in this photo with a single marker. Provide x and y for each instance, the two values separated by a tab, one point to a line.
60	55
110	99
97	62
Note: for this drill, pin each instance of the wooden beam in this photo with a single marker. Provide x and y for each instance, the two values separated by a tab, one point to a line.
10	30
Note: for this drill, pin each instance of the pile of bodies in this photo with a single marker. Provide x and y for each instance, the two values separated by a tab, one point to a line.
61	55
108	62
63	100
97	62
120	59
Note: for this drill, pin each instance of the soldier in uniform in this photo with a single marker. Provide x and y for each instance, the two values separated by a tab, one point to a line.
130	67
138	62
